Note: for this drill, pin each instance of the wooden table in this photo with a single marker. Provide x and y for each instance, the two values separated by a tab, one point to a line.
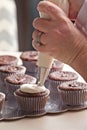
75	120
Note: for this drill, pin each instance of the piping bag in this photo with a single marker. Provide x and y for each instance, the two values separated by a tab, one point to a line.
44	60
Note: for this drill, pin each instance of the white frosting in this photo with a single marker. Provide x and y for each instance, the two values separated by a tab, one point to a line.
32	88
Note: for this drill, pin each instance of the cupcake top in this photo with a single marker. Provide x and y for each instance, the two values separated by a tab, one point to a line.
56	64
63	75
7	60
75	85
32	90
20	79
29	55
12	69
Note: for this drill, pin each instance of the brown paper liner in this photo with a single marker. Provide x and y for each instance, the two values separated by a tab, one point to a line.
32	104
73	98
31	66
53	84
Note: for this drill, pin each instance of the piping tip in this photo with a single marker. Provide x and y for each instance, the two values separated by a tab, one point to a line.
43	75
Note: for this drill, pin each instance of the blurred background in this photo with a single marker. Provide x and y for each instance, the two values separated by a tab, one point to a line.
16	28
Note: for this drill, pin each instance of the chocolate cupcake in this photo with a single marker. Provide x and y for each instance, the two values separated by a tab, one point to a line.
8	70
56	66
8	60
73	93
14	82
58	77
29	59
32	98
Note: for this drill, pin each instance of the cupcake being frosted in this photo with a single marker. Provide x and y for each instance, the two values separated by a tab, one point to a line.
14	82
32	88
32	97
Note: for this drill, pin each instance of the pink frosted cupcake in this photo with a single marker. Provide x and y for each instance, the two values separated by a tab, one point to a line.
73	94
32	98
58	77
29	59
8	70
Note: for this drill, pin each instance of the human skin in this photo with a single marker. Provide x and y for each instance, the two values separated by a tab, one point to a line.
60	38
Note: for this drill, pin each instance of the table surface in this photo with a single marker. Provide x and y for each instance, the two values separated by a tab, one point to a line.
71	120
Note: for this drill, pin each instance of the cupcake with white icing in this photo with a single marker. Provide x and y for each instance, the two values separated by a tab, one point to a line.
14	81
32	98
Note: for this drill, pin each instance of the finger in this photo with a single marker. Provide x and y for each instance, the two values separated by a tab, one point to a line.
34	34
38	48
52	10
42	39
41	24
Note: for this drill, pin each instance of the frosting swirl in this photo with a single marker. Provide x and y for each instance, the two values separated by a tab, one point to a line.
32	88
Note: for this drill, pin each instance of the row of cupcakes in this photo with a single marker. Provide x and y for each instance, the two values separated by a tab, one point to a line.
30	59
32	98
12	76
9	65
56	78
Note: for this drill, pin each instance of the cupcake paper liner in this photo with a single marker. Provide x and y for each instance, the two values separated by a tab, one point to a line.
2	83
52	86
32	104
31	66
11	100
11	88
73	98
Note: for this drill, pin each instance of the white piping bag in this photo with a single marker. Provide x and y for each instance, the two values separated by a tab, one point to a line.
45	61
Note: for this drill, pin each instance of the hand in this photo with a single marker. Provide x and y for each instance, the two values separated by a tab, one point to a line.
60	38
63	4
74	7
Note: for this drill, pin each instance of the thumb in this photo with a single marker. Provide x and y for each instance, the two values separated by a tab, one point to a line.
50	9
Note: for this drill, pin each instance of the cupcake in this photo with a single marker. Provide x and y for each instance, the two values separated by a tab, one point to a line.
8	60
32	98
73	93
58	77
56	66
14	82
29	59
2	100
8	70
